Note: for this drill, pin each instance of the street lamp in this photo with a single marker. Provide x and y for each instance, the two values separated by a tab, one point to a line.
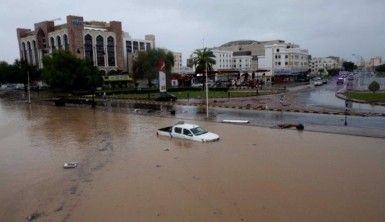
207	94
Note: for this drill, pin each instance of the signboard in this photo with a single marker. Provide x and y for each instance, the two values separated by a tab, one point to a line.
162	76
162	81
348	104
114	78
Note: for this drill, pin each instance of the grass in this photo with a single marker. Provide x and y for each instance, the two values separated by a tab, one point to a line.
378	96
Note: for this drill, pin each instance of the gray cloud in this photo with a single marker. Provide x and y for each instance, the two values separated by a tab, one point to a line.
325	27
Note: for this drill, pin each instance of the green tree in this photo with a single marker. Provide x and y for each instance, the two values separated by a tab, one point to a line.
374	86
17	72
202	58
349	66
146	65
64	71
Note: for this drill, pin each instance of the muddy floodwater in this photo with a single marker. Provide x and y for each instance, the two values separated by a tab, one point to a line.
127	173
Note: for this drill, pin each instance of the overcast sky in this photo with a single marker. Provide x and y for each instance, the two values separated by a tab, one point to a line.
324	27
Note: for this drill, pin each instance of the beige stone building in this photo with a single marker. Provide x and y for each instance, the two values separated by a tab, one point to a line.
101	42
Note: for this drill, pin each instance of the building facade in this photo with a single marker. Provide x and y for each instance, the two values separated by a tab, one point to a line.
320	65
286	61
100	42
133	46
104	43
248	48
223	59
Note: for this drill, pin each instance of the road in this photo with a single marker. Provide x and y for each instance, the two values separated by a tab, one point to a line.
324	97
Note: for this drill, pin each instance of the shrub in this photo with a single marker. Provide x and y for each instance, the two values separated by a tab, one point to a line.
374	86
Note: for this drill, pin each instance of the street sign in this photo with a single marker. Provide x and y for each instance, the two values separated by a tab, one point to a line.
348	104
162	81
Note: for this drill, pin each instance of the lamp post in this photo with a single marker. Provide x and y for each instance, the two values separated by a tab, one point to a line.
207	94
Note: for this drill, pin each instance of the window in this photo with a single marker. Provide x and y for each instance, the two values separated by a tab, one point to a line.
29	53
24	51
198	131
88	49
58	40
111	51
128	47
148	46
178	130
100	51
286	63
65	42
52	40
136	46
279	63
277	50
35	52
187	132
286	56
141	46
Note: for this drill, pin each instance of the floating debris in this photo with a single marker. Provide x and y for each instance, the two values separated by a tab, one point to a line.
33	216
288	125
235	121
70	165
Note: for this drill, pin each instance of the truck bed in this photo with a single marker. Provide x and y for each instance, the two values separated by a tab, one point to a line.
164	131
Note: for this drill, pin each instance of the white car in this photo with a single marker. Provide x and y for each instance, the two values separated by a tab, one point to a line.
317	82
188	131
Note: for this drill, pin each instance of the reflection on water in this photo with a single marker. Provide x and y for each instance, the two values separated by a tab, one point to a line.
127	173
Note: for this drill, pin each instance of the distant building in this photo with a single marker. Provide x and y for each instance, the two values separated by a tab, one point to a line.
133	46
375	61
266	60
248	48
223	59
319	65
286	61
177	68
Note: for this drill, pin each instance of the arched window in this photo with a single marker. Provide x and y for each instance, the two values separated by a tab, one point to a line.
88	49
100	51
58	40
24	52
52	42
30	61
65	42
111	51
35	52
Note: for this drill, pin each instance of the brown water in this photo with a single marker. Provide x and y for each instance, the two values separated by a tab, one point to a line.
127	173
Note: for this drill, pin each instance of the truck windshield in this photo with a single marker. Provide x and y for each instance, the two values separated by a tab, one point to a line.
198	131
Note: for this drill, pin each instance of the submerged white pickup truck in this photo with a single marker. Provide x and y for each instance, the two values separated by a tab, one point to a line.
188	131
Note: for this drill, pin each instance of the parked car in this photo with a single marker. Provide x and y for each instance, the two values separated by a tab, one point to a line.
324	81
317	82
340	81
166	97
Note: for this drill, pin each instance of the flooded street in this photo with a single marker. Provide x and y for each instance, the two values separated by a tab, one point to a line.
127	173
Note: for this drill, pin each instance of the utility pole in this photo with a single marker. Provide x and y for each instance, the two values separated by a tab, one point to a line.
207	87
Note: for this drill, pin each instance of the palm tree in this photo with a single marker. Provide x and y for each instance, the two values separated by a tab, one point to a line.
204	61
202	58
